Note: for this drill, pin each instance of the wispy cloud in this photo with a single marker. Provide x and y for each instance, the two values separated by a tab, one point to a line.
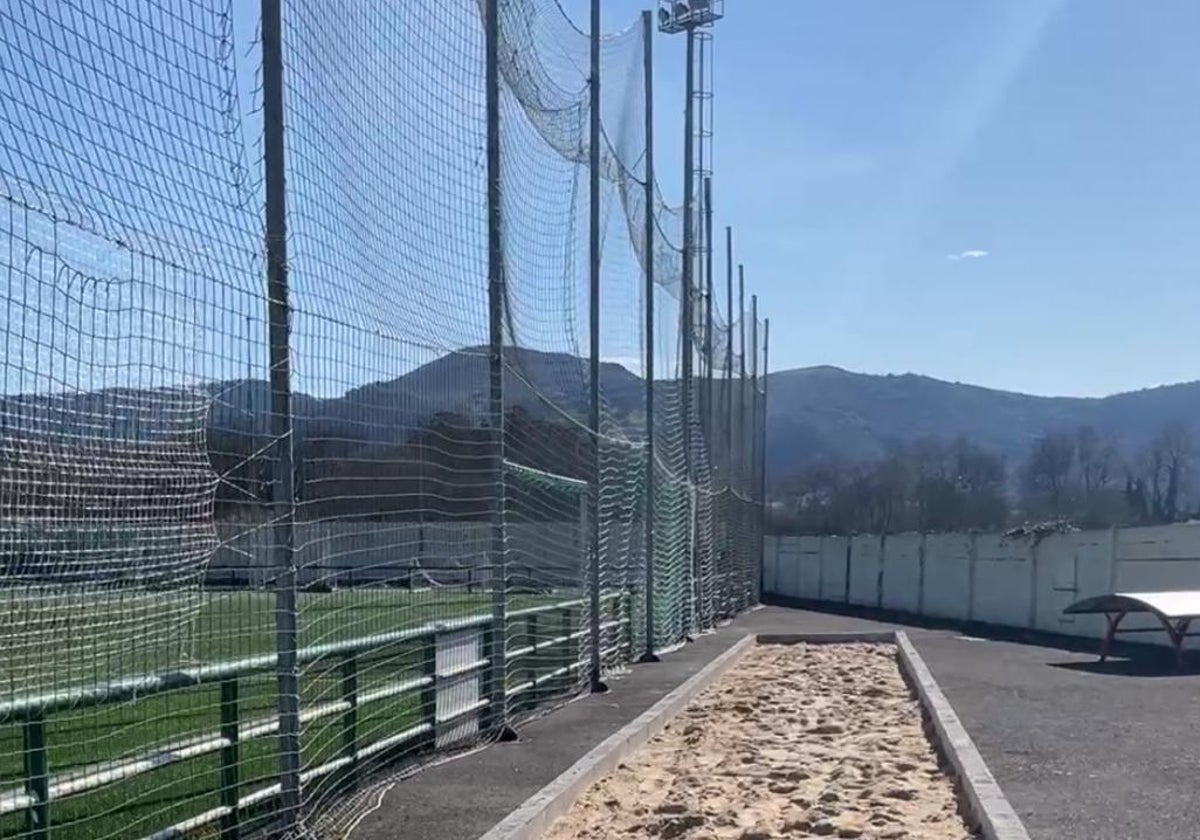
967	255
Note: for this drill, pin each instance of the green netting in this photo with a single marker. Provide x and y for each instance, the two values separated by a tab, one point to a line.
241	595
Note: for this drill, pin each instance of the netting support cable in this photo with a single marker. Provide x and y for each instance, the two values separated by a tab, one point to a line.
648	654
594	663
687	320
497	692
279	337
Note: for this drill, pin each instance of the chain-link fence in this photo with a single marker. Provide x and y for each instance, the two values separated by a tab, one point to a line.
305	474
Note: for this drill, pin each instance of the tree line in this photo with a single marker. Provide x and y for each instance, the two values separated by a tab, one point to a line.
1079	477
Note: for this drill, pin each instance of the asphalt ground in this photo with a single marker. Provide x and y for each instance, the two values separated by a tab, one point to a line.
1080	750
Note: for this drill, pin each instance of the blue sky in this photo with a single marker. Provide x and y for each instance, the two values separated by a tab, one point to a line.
1001	192
861	143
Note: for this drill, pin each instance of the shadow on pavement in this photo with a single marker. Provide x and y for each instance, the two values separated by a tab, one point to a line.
1140	666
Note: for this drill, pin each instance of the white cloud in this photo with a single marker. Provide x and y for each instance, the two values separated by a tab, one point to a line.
967	255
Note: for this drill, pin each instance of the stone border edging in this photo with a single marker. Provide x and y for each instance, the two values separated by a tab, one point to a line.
986	802
882	637
538	812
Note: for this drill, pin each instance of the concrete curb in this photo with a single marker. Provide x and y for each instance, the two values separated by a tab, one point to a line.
985	801
536	814
884	637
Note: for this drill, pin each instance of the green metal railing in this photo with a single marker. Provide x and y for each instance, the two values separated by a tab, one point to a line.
41	789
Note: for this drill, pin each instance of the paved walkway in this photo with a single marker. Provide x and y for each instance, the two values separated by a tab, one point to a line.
1081	752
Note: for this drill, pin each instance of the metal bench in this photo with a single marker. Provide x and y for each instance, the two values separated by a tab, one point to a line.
1176	611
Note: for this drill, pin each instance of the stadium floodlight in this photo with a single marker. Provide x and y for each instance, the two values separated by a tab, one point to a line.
678	16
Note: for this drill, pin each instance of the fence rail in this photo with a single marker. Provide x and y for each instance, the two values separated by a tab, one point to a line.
42	787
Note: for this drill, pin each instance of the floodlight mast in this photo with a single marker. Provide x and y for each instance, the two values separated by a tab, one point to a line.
689	16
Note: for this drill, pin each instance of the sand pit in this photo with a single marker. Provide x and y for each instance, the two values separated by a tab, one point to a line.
796	741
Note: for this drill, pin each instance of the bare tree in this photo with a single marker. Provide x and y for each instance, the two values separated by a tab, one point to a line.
926	485
1100	501
1096	458
980	479
1047	476
1156	486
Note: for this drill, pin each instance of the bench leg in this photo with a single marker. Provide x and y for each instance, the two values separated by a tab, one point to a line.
1178	632
1114	620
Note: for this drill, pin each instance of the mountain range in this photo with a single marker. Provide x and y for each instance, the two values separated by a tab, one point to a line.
813	412
824	411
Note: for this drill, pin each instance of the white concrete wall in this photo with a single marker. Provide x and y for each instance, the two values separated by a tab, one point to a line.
833	568
1016	582
902	572
782	575
947	590
792	567
1071	567
1161	558
808	562
1003	581
865	568
771	559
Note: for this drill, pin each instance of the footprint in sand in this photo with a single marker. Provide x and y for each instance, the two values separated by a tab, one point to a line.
796	742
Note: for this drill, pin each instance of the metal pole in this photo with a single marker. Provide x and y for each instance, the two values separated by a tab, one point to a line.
728	495
753	431
702	240
707	415
742	399
497	693
762	477
650	234
279	343
708	309
685	402
700	136
594	359
729	356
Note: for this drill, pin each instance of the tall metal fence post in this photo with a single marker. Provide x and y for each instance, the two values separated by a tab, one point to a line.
279	339
731	606
706	418
762	454
595	664
497	690
743	456
37	776
707	410
686	315
752	436
650	234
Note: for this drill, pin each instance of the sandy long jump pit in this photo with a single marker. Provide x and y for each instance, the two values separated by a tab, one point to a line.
795	741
